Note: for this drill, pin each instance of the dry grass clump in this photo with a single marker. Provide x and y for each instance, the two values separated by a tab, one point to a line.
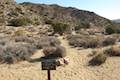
108	41
98	60
113	51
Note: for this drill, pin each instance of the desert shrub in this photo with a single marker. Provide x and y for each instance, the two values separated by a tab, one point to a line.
59	27
108	41
114	28
24	38
83	41
91	43
54	40
48	50
54	52
109	30
98	60
20	22
17	52
1	54
113	51
40	45
30	48
81	25
76	40
87	41
60	51
9	59
45	41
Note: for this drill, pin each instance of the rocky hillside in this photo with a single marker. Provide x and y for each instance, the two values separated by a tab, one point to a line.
39	13
7	1
65	14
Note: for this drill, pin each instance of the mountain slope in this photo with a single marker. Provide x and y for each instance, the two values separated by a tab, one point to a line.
41	12
66	14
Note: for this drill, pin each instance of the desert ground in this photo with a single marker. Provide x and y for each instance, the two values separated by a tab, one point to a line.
77	69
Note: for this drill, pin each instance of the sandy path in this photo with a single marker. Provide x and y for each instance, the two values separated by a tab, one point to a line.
76	70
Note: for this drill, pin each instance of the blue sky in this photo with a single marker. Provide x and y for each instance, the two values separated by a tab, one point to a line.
106	8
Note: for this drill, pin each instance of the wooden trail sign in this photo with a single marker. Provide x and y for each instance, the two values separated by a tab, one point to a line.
49	64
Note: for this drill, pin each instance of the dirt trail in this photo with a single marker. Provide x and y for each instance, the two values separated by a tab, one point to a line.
76	70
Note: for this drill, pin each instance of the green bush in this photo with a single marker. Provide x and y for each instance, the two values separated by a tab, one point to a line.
109	30
20	22
115	28
59	27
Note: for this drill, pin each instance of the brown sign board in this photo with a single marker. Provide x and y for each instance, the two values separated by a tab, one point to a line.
49	64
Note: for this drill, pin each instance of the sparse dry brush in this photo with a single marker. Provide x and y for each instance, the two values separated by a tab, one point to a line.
108	41
77	40
21	47
98	59
90	41
24	38
54	50
45	41
15	52
83	41
1	54
113	51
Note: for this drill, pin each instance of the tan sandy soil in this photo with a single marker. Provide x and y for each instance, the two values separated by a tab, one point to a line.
77	69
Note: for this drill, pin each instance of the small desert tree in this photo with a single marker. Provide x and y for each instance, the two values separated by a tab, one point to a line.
109	30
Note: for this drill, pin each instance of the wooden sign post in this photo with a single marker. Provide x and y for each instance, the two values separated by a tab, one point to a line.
48	73
49	64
